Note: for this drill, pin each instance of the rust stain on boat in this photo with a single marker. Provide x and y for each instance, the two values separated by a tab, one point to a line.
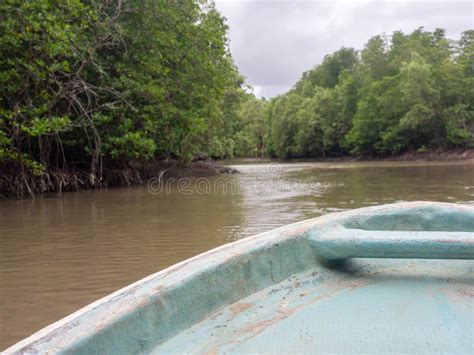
239	308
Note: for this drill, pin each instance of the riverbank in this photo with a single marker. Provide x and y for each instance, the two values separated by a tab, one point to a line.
432	155
16	185
428	155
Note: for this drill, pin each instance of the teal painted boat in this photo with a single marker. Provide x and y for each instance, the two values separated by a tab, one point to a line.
388	279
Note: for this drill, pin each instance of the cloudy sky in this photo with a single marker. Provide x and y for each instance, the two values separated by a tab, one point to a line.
274	41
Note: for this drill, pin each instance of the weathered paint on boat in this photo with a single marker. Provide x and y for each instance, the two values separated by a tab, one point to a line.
298	289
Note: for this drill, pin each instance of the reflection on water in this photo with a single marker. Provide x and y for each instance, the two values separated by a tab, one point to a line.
60	253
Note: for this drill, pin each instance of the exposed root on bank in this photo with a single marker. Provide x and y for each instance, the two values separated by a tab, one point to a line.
15	183
26	184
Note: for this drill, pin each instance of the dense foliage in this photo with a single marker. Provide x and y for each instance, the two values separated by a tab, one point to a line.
89	84
403	92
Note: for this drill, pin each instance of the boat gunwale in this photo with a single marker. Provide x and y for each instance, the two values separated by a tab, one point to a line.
66	331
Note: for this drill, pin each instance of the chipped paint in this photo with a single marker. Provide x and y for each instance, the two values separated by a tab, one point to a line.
237	308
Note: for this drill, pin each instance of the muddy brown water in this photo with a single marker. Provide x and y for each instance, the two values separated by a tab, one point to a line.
59	253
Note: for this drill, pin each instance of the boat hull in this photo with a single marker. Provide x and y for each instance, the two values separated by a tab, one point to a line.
286	290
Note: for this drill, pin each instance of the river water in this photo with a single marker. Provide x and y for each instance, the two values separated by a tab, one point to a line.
59	253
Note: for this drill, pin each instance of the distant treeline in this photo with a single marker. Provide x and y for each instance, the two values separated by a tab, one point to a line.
400	93
92	88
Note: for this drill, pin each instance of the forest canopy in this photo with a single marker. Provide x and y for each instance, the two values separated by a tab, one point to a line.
400	92
92	86
88	86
